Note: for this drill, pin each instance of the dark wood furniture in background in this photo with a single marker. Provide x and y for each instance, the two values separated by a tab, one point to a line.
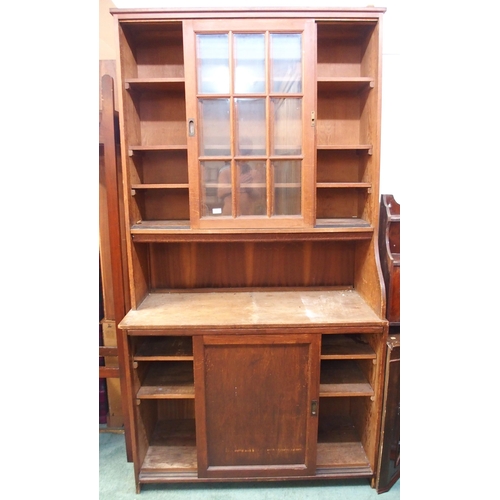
256	338
389	244
112	257
389	241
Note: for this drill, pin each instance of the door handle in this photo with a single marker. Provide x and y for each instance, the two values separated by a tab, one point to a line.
314	407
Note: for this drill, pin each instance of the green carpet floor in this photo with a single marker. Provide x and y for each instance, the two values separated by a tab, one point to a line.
116	482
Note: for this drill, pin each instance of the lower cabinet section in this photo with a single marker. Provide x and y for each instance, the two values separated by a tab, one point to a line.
256	406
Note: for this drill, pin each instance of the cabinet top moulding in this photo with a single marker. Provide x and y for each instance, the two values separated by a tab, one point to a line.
329	14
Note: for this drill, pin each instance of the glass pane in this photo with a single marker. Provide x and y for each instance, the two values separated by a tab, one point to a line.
287	126
286	67
215	188
213	64
251	126
287	184
249	55
252	188
215	136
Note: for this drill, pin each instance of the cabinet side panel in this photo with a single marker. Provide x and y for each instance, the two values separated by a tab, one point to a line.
366	412
139	273
368	279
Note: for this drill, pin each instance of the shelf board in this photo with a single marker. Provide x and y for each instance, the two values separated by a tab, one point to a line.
173	380
155	84
347	228
351	223
343	378
345	347
160	186
346	147
157	147
165	349
344	84
323	310
344	185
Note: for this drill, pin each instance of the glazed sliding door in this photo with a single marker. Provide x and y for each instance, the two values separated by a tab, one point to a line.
250	103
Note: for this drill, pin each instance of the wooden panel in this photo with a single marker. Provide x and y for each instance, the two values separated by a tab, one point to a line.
109	372
168	380
340	166
345	347
339	444
217	265
163	348
162	118
389	456
343	378
339	118
225	311
254	405
157	204
173	447
389	247
340	203
159	167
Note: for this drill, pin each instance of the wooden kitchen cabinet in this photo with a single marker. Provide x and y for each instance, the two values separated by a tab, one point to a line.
256	336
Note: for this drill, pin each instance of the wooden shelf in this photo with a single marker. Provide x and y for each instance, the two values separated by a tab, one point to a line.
346	147
160	147
322	309
348	228
345	347
165	349
155	84
168	381
343	378
339	446
344	84
160	186
344	185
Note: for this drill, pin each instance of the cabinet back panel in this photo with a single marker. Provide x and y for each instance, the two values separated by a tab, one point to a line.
220	265
340	166
340	118
159	167
334	407
163	118
173	409
339	203
162	204
160	61
157	50
342	49
337	58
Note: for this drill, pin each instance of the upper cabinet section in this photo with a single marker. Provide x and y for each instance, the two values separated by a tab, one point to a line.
238	122
250	144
